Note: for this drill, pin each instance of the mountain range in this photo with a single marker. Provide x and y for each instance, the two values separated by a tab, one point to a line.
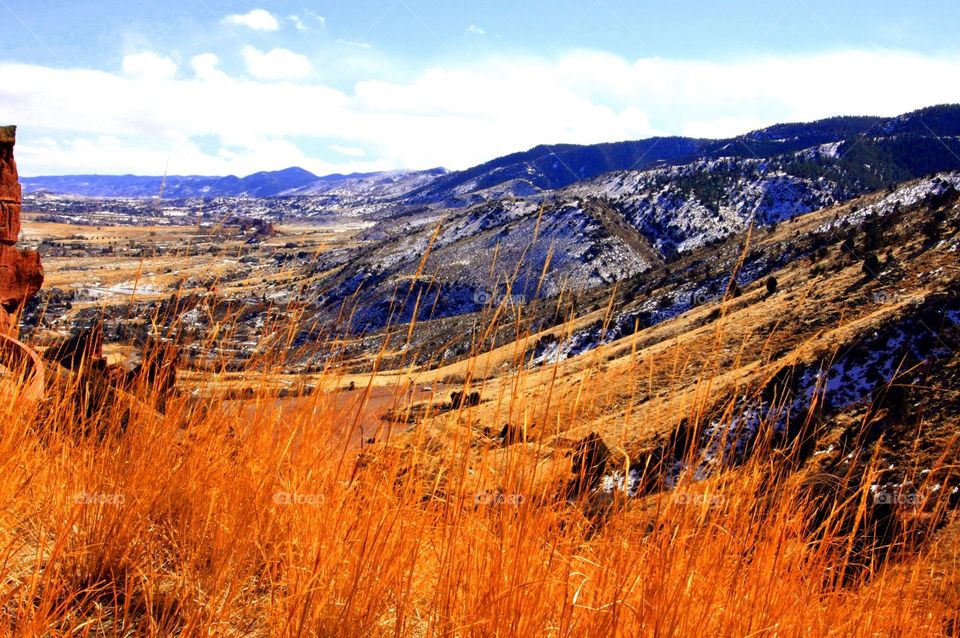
900	148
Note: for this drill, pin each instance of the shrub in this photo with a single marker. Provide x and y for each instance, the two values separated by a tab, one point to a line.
872	266
771	285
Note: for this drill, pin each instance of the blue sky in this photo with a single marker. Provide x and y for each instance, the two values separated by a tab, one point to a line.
216	87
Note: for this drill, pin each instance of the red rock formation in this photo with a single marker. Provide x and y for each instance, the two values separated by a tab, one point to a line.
21	274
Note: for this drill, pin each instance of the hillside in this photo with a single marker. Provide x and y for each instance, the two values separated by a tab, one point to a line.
759	431
547	168
290	181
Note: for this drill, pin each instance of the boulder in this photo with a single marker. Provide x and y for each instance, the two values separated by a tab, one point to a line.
459	399
83	348
510	434
156	376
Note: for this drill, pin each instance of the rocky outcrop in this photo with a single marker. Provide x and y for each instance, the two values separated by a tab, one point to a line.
155	377
21	273
591	458
85	348
20	276
460	399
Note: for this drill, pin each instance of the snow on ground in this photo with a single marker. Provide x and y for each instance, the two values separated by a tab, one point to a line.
903	197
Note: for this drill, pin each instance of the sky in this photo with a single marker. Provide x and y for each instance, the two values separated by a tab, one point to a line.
218	87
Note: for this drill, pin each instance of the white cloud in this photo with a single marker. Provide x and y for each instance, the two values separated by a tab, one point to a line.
276	64
205	67
297	22
355	43
149	66
725	126
347	150
257	19
450	115
319	18
107	154
475	30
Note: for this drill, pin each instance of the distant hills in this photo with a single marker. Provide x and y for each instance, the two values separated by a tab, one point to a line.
263	184
289	181
878	150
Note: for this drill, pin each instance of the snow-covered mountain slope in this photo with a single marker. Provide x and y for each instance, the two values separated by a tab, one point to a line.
386	185
873	151
680	208
513	250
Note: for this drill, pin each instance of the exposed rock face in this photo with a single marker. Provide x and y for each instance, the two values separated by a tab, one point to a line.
591	457
21	276
460	399
21	273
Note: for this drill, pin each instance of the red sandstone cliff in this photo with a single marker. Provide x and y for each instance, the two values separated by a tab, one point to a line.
21	273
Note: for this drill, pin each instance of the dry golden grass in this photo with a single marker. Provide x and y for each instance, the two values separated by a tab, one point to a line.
209	520
271	517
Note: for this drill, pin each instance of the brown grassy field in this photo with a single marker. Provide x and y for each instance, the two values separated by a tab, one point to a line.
120	264
288	516
207	520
